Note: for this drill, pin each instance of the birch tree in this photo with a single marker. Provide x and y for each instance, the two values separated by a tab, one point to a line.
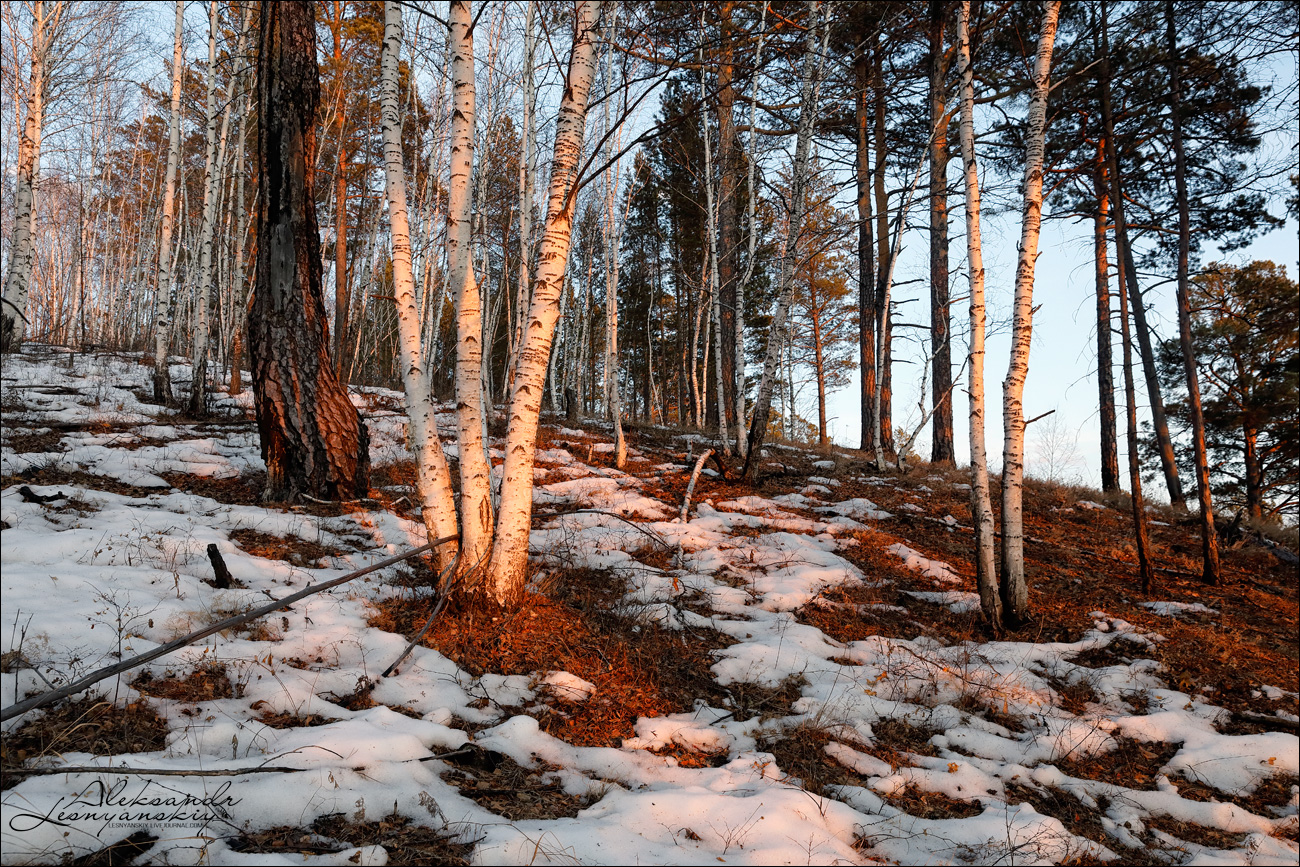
21	252
475	478
433	476
162	318
1015	592
504	582
981	505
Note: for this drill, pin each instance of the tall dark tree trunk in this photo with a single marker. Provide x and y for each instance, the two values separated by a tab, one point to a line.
866	261
1254	472
942	449
1125	251
313	441
884	348
1105	364
1209	537
728	212
1145	572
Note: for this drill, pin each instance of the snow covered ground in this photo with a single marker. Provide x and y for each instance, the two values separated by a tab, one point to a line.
116	564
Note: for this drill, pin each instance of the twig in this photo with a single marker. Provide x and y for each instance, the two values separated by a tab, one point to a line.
136	661
690	487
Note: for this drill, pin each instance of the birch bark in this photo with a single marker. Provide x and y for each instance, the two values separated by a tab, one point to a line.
162	319
433	477
21	251
986	578
509	562
1015	592
475	477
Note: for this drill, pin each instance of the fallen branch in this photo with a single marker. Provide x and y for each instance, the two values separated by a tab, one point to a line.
136	661
690	487
151	772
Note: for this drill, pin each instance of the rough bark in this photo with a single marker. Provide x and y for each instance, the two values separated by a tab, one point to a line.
508	568
981	504
1015	591
1209	536
883	400
342	301
433	476
313	441
866	260
808	91
942	448
1138	506
1105	364
1125	253
723	361
728	201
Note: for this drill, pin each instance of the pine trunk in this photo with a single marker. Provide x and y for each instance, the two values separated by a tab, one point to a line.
785	288
1105	364
866	261
313	441
1209	536
942	449
1125	254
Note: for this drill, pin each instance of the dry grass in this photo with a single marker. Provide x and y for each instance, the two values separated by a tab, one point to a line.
638	669
292	549
92	725
205	683
405	841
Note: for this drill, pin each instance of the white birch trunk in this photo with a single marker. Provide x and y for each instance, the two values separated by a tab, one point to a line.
510	549
613	231
981	505
1015	593
162	319
203	291
475	477
527	167
433	477
21	251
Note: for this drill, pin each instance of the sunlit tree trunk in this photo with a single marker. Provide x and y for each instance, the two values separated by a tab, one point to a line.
613	231
1124	251
981	505
1209	536
433	476
1105	375
475	478
527	167
162	319
1138	506
509	565
313	441
883	398
1015	591
21	250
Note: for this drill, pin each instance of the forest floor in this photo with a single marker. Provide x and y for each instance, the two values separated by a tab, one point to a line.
796	674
